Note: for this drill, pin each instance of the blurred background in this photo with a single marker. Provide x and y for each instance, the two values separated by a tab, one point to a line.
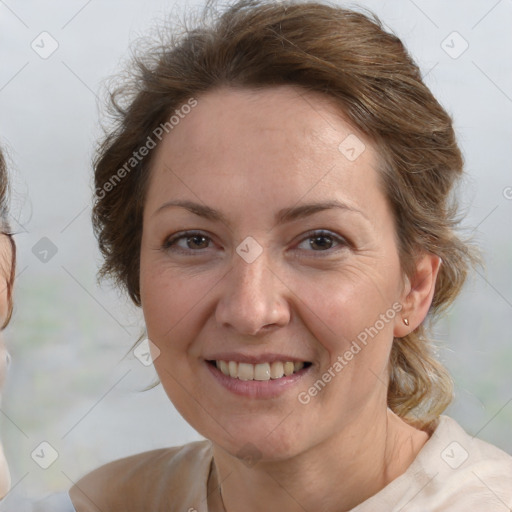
70	385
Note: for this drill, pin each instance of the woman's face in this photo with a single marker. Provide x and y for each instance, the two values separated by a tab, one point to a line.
274	281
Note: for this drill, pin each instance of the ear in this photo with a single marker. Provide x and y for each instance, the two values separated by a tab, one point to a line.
417	294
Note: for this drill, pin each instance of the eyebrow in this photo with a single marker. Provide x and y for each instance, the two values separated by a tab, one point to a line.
282	216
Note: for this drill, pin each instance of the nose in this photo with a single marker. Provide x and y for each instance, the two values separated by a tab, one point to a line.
253	297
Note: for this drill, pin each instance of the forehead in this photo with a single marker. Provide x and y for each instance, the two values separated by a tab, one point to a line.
282	138
288	114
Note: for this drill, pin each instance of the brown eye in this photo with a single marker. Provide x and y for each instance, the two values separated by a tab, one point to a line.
198	240
321	241
324	241
193	242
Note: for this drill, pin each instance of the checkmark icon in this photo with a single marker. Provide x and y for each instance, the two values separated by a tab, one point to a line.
249	249
351	147
44	250
146	352
44	455
45	45
454	45
454	455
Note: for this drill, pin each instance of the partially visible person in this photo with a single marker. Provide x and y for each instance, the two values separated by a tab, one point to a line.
55	503
7	271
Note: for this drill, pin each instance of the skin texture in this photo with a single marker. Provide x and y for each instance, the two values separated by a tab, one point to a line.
5	270
268	150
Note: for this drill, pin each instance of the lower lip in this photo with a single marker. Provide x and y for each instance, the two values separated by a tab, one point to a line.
257	388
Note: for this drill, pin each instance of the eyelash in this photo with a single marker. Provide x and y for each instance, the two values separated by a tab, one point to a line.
170	243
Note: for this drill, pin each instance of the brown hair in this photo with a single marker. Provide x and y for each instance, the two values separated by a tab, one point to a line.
367	72
6	230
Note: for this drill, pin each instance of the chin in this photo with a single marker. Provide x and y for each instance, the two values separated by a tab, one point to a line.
258	441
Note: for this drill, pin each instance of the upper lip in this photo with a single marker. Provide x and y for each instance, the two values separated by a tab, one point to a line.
254	359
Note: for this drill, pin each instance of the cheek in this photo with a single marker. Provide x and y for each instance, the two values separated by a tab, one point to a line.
338	306
164	302
169	313
173	308
353	322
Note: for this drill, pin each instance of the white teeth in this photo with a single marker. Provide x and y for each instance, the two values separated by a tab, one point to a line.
233	369
261	371
288	368
224	367
245	371
276	370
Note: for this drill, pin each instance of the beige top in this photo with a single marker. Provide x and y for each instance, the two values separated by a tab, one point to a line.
452	472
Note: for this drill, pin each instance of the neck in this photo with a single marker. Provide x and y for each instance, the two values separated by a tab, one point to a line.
334	476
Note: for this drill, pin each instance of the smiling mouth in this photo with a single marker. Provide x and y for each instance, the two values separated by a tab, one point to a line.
261	371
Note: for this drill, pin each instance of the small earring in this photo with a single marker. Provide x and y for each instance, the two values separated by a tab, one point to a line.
406	321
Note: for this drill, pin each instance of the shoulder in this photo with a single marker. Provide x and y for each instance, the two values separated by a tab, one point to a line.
464	469
156	476
463	451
